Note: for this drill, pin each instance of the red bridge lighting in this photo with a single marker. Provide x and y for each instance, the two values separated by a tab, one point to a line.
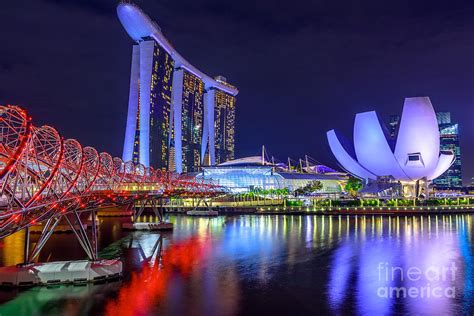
41	172
149	286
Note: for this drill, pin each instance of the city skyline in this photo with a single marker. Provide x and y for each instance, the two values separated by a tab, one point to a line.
183	157
433	60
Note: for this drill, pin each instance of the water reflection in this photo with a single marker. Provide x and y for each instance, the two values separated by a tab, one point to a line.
58	300
243	265
12	248
146	289
404	264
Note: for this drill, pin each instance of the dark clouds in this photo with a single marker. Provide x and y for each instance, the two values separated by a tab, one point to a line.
302	67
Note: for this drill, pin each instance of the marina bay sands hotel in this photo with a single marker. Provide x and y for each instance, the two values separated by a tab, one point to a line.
178	117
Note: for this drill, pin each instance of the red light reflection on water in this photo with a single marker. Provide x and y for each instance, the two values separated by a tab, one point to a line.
148	287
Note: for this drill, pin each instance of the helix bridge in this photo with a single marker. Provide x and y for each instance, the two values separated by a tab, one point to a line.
46	179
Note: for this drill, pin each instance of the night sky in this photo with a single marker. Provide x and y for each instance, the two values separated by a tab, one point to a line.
302	67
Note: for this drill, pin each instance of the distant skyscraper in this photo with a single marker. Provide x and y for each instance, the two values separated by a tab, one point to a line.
149	107
443	117
192	119
393	125
225	126
449	133
449	141
178	117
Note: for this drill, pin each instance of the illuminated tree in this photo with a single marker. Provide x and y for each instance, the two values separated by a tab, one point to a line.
353	186
309	188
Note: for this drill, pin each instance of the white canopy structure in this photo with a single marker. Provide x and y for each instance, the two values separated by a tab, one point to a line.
413	155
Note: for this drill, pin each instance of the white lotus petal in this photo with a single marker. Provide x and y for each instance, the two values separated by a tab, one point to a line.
345	159
444	162
372	149
418	135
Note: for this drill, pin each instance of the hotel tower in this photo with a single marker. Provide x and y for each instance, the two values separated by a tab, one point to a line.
178	117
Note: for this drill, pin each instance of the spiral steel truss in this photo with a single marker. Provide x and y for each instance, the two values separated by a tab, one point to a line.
44	178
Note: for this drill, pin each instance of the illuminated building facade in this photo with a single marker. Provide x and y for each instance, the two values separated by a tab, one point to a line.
449	141
224	126
249	173
179	118
149	107
192	118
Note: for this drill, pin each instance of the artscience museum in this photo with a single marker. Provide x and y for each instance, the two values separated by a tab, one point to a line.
412	155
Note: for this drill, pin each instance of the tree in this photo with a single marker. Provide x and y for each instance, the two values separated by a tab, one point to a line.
309	188
314	186
353	186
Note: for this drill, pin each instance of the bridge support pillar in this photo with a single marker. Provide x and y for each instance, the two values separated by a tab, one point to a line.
90	247
95	246
206	212
46	233
38	273
26	255
206	204
156	206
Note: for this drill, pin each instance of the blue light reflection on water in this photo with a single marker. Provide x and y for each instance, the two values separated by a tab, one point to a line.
466	251
354	249
305	264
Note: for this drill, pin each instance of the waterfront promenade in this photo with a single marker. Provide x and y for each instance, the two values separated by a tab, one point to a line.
331	206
